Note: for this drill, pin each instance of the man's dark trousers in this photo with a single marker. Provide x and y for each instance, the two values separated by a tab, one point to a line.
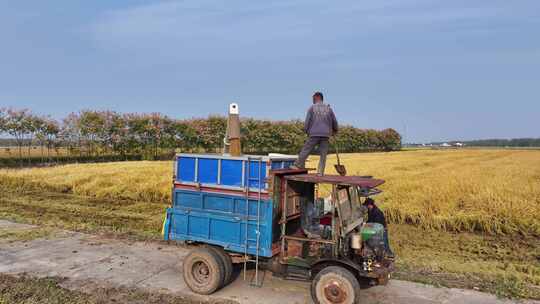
309	146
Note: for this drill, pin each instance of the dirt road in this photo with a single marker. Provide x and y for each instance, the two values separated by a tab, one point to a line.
89	261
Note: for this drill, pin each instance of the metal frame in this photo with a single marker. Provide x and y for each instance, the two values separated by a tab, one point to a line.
336	225
247	259
218	186
245	160
245	157
284	237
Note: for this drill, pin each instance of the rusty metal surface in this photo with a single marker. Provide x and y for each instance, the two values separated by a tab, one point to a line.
288	171
363	182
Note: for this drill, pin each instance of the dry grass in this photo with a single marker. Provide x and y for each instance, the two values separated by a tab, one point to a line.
147	181
495	191
28	290
35	151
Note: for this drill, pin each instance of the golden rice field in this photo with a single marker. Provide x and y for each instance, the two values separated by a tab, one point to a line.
494	191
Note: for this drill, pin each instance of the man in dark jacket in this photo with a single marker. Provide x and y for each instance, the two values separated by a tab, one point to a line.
375	215
320	124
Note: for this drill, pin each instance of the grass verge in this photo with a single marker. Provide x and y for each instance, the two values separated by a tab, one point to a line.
508	266
8	235
26	290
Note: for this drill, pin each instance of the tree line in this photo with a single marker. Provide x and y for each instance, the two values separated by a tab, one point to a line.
95	134
514	142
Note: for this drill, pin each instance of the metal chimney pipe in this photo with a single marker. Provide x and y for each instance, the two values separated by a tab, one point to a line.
232	135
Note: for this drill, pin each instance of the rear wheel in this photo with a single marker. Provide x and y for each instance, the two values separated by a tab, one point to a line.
335	285
203	271
227	263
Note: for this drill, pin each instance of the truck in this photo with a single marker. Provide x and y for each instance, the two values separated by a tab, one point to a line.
261	213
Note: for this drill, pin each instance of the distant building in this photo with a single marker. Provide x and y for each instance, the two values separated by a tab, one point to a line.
445	145
458	144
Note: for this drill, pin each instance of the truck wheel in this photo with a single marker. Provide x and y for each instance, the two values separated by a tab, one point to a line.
335	285
227	263
203	271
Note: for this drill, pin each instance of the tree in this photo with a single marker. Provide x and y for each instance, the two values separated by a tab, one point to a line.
211	132
39	126
3	120
47	133
183	136
114	128
18	124
70	133
91	124
390	139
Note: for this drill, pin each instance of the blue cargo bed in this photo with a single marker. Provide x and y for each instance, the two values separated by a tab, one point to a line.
210	205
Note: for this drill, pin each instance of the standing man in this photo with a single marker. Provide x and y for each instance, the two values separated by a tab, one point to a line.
375	215
320	124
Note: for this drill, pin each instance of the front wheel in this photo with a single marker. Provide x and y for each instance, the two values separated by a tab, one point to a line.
335	285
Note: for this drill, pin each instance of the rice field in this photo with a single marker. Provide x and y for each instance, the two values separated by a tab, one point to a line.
493	191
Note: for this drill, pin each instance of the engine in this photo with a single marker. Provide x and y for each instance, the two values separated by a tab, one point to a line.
368	243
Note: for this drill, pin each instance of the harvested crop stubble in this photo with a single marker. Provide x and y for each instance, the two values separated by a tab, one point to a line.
494	191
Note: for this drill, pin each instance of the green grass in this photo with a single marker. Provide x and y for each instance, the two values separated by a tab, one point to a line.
505	265
26	290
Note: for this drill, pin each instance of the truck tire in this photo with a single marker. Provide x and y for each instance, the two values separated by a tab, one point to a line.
203	271
227	264
335	285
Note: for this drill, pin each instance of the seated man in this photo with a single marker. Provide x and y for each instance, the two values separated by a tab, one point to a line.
375	215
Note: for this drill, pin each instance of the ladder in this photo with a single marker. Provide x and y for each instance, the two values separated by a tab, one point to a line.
247	259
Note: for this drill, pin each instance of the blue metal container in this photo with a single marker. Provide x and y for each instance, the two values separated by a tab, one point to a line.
227	171
212	204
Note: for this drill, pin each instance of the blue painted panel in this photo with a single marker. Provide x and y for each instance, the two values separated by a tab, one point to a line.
281	164
231	172
186	169
220	220
240	207
179	223
221	230
208	171
187	199
277	165
254	174
218	203
198	225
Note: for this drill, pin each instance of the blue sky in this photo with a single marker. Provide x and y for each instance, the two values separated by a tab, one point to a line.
433	70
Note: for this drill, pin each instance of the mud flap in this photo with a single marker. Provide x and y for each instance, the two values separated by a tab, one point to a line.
166	225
